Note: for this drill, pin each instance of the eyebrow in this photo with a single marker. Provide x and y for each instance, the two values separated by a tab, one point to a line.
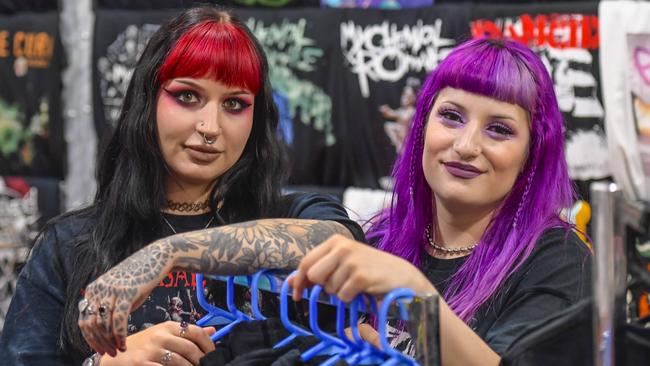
496	116
198	86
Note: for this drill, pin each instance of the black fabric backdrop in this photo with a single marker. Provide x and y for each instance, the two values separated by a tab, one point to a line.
31	128
336	132
334	69
15	6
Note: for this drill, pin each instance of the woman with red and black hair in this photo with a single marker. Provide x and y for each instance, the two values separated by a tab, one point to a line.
195	148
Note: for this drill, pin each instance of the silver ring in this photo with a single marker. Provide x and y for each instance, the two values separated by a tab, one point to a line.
166	357
83	305
85	308
207	140
184	326
89	310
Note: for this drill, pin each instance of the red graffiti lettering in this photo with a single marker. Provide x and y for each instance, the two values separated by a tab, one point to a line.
551	30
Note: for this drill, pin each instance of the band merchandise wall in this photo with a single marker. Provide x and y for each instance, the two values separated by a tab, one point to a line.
32	148
346	79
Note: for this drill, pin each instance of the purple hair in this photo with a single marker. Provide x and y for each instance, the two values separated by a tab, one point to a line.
509	72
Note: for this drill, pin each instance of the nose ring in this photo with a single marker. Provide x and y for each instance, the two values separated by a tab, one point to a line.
207	140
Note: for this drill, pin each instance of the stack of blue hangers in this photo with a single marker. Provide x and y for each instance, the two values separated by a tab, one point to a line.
339	347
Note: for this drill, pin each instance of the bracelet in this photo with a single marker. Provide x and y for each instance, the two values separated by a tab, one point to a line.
93	360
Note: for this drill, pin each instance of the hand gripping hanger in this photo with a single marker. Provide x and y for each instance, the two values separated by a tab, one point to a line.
421	312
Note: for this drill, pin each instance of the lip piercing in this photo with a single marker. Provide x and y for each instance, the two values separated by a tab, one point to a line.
207	140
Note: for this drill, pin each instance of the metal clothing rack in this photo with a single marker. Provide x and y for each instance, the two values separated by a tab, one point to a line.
617	220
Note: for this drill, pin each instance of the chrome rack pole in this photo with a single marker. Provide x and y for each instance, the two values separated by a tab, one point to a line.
424	328
609	269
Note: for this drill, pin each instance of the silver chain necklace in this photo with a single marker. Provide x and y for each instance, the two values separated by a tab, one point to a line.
453	251
174	230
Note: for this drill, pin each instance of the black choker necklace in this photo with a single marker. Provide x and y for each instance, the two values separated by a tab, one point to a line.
187	206
452	251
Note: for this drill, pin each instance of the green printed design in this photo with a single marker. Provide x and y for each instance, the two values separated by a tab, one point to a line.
12	134
289	51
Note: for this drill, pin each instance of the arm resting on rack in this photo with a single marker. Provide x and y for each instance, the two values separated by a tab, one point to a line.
236	249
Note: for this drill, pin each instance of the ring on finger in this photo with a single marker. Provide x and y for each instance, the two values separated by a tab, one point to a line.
84	307
184	326
103	310
167	357
89	310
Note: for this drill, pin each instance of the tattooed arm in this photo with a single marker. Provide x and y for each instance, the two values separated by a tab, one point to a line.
247	247
235	249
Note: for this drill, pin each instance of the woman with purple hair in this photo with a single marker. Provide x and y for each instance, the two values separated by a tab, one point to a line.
475	213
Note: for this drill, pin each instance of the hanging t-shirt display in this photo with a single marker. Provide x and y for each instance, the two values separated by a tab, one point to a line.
565	37
346	80
323	66
385	55
31	131
120	38
626	87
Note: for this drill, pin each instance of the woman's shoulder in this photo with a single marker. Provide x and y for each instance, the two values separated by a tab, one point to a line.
53	247
63	229
318	206
298	204
559	254
562	240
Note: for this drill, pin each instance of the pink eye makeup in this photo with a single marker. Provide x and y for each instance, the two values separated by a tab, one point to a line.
236	105
183	96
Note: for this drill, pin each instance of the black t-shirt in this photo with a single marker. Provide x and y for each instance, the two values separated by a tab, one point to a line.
33	322
556	275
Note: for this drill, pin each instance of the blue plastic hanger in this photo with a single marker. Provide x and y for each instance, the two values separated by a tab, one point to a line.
351	347
213	311
255	283
367	353
396	358
329	344
230	301
284	314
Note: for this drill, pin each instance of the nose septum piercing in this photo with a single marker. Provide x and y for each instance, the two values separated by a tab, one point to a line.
207	140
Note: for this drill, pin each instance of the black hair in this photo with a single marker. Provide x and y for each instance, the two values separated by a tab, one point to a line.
126	211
